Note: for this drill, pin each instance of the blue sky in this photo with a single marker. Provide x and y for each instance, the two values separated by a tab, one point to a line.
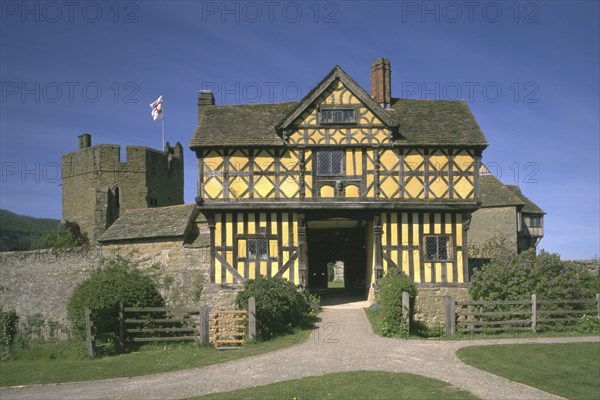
529	71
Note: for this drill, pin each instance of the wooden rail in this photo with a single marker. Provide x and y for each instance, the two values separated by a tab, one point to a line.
162	324
514	315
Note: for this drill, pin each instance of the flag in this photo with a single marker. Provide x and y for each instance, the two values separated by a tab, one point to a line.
157	111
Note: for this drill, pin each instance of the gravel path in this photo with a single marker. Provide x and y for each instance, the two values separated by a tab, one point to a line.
343	341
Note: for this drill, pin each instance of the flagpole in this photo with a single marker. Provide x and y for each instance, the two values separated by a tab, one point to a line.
163	124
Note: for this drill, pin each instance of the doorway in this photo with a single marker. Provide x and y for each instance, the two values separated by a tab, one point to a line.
336	256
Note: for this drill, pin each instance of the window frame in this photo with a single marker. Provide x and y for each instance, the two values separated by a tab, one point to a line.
257	257
448	244
333	109
330	152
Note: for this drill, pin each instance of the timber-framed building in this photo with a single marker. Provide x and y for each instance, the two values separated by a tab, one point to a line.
369	179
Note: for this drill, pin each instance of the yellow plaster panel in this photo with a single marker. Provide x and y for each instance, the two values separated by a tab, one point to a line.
426	224
414	160
352	191
350	162
437	225
251	224
405	228
263	186
438	160
459	230
414	188
464	161
238	188
228	229
463	188
263	220
387	187
389	160
460	265
394	229
428	268
416	262
438	272
437	188
327	191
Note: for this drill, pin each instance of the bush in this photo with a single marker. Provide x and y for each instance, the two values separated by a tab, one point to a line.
280	307
117	279
588	324
516	277
68	235
389	299
8	330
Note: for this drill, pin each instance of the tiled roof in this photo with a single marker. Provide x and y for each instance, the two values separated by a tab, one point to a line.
496	194
530	206
151	223
421	122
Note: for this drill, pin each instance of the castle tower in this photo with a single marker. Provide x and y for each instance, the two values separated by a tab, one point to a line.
97	185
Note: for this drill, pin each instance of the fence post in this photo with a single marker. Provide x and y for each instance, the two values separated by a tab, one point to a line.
450	315
204	316
89	338
122	324
405	308
533	312
252	318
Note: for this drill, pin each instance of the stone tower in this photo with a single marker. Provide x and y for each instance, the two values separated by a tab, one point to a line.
97	185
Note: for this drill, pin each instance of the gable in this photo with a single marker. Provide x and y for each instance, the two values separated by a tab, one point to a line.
368	129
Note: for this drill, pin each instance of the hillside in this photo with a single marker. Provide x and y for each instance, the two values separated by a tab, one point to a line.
20	232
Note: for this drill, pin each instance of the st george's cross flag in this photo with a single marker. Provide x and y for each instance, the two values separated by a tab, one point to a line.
157	108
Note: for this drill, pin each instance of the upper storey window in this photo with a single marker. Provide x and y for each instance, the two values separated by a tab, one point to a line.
330	162
338	116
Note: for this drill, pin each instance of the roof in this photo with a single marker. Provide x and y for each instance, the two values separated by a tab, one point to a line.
530	207
421	122
496	194
240	125
436	122
151	223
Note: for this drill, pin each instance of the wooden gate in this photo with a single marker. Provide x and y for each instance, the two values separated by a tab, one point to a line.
227	328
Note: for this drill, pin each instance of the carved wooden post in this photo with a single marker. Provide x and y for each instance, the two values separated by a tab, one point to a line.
122	324
533	312
204	317
466	223
302	250
89	337
450	316
405	309
302	174
377	231
252	318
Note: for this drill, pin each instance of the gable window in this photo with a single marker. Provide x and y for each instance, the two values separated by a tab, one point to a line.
535	221
338	115
330	162
438	248
257	249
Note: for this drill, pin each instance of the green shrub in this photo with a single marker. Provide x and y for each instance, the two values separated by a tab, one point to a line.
516	277
280	307
117	279
389	300
67	235
588	324
8	330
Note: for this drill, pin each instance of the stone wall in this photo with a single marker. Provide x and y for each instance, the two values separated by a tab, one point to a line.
430	303
38	284
488	223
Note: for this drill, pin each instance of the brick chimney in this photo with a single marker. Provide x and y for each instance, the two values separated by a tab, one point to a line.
205	98
381	86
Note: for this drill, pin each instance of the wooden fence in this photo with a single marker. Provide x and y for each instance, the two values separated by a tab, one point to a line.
514	315
160	324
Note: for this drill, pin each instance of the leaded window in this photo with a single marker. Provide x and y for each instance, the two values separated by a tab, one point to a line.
438	248
535	222
338	115
257	249
330	162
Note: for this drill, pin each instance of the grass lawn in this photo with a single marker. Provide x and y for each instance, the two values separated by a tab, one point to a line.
332	285
570	370
351	385
60	365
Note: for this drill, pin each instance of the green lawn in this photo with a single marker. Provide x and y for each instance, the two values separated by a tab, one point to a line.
57	365
570	370
351	385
